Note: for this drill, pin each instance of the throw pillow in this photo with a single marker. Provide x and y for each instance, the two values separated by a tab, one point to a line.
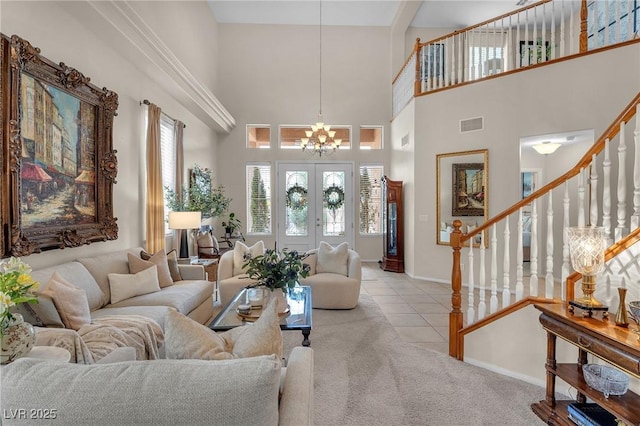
333	259
126	286
264	337
242	253
207	244
184	338
159	259
71	302
172	261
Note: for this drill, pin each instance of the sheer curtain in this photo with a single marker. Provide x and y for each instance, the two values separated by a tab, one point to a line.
155	193
178	131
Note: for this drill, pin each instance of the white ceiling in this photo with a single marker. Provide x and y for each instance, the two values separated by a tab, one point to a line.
431	14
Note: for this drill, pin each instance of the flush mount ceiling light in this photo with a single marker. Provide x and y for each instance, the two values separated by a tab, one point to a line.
320	139
546	148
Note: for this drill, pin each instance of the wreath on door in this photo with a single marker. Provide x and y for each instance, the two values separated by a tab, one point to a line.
296	197
334	197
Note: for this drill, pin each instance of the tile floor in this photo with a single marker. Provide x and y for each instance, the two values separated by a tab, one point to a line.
417	309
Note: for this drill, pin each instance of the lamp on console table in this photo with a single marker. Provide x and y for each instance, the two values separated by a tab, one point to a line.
184	221
587	245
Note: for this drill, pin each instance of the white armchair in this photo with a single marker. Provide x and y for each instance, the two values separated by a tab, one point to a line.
333	290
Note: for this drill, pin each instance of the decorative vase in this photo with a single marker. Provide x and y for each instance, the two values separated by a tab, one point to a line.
622	318
17	340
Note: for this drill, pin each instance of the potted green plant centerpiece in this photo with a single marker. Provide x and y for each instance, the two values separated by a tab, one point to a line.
277	270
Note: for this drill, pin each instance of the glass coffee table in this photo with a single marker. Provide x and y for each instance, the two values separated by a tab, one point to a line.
298	318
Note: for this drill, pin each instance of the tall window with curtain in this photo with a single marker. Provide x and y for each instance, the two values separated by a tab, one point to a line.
164	170
168	153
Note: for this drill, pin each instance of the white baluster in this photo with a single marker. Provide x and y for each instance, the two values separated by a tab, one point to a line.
468	56
630	28
516	60
562	30
606	193
593	180
534	47
460	62
486	54
482	305
440	70
596	12
543	38
519	258
493	302
622	185
572	34
452	78
581	198
533	259
566	259
553	31
606	19
548	280
635	219
525	60
471	311
506	284
618	22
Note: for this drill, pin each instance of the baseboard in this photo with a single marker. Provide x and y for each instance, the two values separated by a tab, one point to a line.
561	388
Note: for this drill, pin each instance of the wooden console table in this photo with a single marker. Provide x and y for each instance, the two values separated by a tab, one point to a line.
617	346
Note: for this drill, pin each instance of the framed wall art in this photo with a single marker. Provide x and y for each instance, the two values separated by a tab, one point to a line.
462	191
58	151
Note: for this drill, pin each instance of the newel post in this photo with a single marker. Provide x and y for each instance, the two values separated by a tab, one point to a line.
584	15
455	316
417	84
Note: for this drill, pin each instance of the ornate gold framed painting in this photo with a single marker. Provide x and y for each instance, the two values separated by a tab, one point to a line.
462	192
59	166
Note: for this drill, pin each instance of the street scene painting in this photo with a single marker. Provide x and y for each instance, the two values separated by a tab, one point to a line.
60	164
58	159
468	189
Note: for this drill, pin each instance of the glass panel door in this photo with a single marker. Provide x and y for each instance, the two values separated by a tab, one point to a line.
316	205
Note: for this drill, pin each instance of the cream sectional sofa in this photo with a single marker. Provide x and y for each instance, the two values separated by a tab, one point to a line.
193	296
161	392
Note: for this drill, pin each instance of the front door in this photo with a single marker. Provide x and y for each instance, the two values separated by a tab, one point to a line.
315	203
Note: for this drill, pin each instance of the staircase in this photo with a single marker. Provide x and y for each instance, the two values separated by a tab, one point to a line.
602	189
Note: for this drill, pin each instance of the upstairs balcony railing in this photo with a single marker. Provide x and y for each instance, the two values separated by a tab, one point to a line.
543	32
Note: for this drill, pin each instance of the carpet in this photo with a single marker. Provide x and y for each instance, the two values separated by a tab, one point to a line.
365	375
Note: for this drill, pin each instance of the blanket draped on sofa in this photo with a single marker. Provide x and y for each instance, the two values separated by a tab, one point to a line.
96	340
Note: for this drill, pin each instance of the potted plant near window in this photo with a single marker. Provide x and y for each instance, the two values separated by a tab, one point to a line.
231	225
199	195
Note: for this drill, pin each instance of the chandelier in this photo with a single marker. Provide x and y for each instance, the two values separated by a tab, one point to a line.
320	139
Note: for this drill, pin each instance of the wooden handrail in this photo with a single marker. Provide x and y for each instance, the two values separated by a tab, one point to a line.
596	148
614	250
530	300
406	62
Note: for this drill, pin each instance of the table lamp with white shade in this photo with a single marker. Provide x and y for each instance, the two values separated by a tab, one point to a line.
184	221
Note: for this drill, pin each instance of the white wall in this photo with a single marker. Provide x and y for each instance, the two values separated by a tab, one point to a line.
269	75
588	92
73	33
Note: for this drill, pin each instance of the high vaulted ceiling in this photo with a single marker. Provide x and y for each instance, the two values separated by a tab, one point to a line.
431	14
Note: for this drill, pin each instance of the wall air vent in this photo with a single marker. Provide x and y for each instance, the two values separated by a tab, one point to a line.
471	124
